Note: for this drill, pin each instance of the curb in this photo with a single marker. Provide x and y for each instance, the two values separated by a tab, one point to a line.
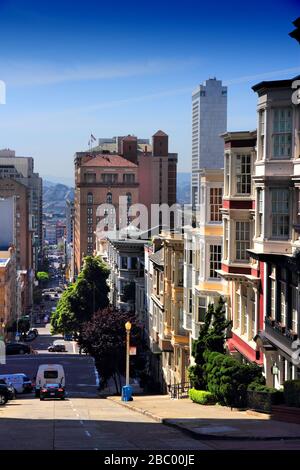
198	436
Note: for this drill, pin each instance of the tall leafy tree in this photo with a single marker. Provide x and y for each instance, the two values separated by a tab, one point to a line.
104	338
83	298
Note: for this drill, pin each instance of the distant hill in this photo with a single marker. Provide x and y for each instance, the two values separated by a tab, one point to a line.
183	188
55	196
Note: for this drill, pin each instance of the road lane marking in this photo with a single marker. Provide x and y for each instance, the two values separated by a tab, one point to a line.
87	433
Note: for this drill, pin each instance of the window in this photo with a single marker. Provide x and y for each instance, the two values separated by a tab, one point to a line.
90	239
215	199
282	135
128	178
124	262
226	238
262	132
244	311
242	239
227	171
243	174
201	309
259	212
282	303
280	213
190	306
202	93
294	316
109	198
109	178
237	310
252	313
90	198
215	260
90	211
90	177
134	262
272	280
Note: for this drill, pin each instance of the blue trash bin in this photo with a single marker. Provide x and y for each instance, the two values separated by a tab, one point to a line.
127	393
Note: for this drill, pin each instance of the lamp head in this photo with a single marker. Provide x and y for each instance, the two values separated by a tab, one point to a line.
128	326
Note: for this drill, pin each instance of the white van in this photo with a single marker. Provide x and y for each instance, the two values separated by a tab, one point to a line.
16	380
49	374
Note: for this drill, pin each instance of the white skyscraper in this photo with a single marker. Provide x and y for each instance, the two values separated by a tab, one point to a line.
209	120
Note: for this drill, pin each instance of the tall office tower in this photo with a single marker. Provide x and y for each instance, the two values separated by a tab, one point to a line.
209	120
21	169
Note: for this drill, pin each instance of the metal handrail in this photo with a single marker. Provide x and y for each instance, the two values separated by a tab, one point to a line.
180	390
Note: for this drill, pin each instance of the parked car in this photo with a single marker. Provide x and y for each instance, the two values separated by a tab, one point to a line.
29	337
34	331
20	382
4	394
17	348
52	391
9	388
57	346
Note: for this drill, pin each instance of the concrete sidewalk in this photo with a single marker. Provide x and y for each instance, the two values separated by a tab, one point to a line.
211	422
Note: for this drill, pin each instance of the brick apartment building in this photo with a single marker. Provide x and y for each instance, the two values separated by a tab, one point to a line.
138	174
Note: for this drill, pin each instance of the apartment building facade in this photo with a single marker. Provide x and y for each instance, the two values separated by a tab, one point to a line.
125	259
242	275
276	239
21	170
16	230
203	253
168	341
101	180
8	290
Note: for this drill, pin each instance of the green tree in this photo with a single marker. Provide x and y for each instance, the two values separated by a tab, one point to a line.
211	338
83	298
42	277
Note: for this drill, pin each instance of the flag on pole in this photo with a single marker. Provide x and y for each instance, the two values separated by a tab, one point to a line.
93	138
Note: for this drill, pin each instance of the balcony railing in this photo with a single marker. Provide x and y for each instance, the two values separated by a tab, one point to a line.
280	330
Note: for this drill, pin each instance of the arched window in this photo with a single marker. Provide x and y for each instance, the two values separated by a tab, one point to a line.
129	199
109	198
90	198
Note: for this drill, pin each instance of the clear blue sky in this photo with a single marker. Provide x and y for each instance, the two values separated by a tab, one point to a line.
114	68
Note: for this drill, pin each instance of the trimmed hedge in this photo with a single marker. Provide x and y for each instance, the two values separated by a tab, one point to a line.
202	397
262	398
228	379
292	393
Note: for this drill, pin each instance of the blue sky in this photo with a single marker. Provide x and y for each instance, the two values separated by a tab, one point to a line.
130	67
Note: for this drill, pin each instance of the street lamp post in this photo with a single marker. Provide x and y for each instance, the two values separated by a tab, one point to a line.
128	328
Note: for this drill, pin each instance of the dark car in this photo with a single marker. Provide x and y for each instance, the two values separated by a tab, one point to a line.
52	391
4	394
17	348
57	347
7	388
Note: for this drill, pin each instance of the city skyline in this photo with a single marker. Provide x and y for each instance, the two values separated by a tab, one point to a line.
77	71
